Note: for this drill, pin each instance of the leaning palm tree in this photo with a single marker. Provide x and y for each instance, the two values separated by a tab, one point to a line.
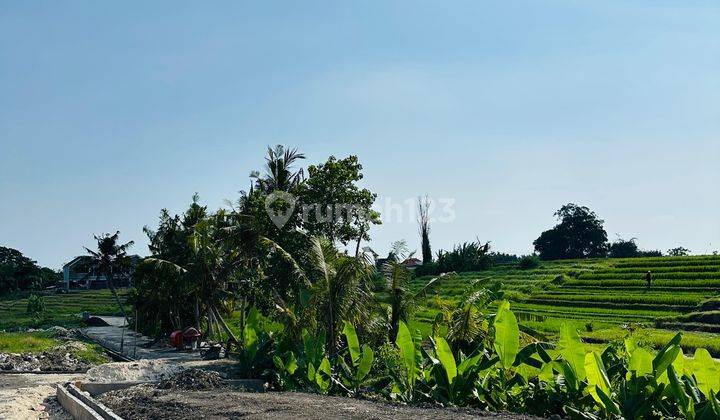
280	173
110	260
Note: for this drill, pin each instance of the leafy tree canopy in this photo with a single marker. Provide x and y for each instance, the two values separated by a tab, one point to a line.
678	252
341	209
579	234
18	272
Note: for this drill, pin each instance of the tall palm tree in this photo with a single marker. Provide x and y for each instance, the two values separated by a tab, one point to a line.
280	173
109	260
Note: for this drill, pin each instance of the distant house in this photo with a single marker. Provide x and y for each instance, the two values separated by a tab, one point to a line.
412	263
79	273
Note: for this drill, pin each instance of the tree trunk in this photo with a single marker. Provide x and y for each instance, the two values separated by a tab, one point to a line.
222	323
111	285
331	327
197	314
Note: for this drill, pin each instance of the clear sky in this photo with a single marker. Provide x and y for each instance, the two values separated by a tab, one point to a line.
110	111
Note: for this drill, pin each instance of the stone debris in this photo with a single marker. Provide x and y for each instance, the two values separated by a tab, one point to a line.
54	360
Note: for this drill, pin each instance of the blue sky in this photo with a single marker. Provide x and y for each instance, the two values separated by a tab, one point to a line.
111	111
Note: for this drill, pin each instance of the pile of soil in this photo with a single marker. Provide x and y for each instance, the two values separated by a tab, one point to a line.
147	402
139	370
194	380
55	360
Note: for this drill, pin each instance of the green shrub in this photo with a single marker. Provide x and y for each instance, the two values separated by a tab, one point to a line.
529	261
35	305
560	280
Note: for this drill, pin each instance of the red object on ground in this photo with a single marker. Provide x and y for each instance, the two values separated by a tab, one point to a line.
176	339
191	334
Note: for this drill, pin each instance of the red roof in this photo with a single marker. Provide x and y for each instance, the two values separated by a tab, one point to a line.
412	262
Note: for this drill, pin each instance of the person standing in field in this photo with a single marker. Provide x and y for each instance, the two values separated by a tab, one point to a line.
648	278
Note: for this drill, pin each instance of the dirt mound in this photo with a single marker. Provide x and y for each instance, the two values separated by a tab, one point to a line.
95	321
146	402
55	360
194	380
140	370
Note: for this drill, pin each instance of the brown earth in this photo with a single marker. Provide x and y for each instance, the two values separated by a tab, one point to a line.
146	402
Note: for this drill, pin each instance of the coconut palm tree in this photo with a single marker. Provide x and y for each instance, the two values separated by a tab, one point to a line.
280	173
109	260
338	287
206	273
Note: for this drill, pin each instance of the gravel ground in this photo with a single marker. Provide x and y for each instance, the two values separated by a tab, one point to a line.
31	396
146	402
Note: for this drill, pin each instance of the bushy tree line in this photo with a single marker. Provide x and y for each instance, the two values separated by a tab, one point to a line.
580	234
298	311
20	273
274	249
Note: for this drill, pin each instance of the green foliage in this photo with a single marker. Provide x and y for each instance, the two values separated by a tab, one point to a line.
580	234
468	256
19	273
529	261
35	305
507	335
678	252
361	359
624	249
331	188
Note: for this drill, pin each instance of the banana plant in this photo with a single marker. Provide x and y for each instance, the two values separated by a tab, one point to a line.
361	359
411	366
454	380
599	383
285	371
314	363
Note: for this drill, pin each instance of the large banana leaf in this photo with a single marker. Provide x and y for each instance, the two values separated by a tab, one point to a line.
571	349
365	363
507	335
707	373
406	346
598	382
445	355
353	343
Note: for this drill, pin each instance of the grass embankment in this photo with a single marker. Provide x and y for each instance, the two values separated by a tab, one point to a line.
605	299
60	309
38	342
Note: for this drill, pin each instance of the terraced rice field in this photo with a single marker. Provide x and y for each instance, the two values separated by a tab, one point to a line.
60	309
603	297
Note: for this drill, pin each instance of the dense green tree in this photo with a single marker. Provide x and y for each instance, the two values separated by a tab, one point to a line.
334	205
468	256
18	272
678	252
623	249
579	234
